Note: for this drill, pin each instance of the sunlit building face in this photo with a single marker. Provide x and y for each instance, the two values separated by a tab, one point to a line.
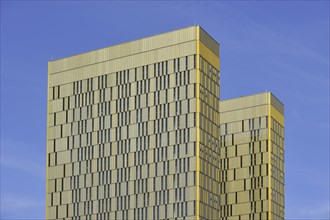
133	132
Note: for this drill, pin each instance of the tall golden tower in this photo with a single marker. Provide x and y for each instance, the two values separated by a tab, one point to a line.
133	130
252	157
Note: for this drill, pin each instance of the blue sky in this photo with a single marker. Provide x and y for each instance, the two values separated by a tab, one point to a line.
282	47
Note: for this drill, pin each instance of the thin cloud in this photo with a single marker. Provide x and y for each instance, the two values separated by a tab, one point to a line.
284	43
308	76
12	157
295	114
308	211
18	200
322	210
16	164
14	206
11	202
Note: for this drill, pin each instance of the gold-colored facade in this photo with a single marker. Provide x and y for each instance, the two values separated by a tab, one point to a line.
133	130
252	157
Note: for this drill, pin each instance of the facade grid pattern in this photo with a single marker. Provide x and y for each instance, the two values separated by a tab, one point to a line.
252	159
137	131
122	141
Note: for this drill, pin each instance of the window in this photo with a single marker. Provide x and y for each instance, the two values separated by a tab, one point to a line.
194	66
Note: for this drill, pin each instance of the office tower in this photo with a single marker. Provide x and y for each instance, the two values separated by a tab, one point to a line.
252	157
133	130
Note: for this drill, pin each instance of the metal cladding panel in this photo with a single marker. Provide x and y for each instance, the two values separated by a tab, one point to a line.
237	115
141	118
209	41
243	102
127	62
252	157
277	104
125	49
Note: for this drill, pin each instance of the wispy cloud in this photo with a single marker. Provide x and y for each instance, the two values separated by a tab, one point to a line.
308	211
14	206
321	210
28	168
307	76
297	117
16	202
21	199
290	52
283	43
14	155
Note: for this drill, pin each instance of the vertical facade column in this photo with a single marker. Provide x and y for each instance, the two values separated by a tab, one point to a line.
269	160
197	126
47	136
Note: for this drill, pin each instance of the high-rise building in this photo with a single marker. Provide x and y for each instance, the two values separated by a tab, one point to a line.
133	130
252	157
